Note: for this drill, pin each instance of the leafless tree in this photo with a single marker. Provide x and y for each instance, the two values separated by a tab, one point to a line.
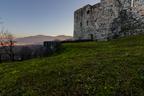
7	43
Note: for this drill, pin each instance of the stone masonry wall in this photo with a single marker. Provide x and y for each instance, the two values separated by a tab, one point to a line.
109	19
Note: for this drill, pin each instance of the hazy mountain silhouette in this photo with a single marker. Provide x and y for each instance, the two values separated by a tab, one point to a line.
39	39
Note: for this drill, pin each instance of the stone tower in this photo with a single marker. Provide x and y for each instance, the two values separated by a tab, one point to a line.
102	21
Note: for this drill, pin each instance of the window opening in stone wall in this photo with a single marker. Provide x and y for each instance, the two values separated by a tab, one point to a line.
87	23
88	11
80	24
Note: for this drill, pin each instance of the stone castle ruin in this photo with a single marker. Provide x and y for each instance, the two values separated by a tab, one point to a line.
109	19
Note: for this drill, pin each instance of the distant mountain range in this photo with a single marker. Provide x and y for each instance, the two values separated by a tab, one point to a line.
39	39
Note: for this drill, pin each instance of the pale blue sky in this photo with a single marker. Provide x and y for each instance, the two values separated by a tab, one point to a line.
35	17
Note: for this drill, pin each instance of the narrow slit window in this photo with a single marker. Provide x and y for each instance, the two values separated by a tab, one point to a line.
88	11
80	24
87	23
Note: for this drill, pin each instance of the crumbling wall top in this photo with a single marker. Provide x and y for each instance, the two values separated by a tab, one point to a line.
97	5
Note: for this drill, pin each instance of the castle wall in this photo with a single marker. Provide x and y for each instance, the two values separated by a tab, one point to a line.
93	22
83	26
104	20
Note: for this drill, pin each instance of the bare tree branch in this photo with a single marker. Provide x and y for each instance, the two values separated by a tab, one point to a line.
7	43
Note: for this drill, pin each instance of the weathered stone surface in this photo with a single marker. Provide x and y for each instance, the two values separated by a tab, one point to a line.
109	19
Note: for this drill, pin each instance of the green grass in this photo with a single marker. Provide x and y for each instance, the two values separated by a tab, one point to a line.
113	68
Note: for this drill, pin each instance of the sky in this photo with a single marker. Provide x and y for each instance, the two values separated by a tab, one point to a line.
40	17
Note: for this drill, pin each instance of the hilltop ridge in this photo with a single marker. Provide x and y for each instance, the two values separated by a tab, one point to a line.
39	39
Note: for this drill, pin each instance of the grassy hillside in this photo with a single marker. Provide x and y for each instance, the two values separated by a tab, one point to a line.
113	68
